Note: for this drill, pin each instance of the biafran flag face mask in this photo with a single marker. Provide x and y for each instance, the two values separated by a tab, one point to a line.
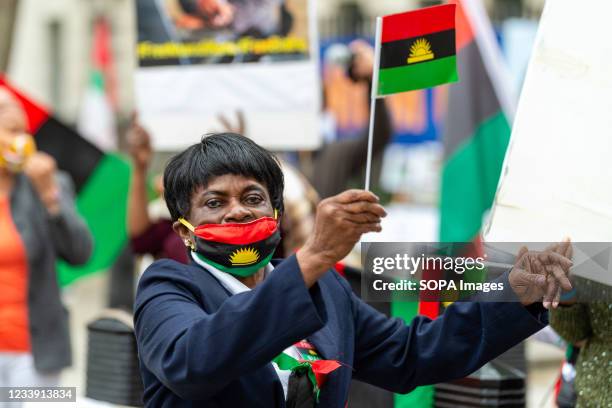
239	249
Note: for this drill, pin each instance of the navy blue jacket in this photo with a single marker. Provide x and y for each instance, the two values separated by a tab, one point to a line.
200	347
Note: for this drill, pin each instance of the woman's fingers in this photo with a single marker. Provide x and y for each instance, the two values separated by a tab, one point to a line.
361	207
362	218
350	196
369	227
565	248
559	259
550	291
561	277
557	298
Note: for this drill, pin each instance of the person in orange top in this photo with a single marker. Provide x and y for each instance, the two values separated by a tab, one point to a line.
38	224
14	335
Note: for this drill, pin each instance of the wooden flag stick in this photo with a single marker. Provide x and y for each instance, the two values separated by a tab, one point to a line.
373	96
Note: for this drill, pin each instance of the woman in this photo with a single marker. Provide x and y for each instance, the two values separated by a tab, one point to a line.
232	329
38	225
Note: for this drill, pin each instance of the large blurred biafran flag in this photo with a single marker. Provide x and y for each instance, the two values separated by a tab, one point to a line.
101	181
477	128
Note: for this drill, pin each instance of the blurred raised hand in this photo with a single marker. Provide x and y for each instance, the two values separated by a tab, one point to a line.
40	169
139	145
141	151
238	127
363	60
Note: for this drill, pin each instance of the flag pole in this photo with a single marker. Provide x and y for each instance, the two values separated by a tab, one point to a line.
373	96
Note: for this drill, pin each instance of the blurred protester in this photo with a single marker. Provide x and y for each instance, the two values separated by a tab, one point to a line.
149	225
588	326
38	225
337	163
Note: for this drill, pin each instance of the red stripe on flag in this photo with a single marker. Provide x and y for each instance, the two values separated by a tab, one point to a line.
418	22
35	113
464	34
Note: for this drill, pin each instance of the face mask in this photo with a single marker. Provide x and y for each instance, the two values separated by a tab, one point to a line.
240	249
15	155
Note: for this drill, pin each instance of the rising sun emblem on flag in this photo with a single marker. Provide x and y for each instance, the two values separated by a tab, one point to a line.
244	256
420	51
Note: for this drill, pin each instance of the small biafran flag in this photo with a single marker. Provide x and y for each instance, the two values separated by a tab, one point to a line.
417	50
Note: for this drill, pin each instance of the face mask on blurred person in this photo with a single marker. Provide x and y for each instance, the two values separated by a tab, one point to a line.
239	249
16	153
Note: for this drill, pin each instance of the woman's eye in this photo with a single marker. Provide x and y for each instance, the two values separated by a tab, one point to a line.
213	203
253	200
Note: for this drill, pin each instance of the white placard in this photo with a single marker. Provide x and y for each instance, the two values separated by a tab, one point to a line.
557	176
263	61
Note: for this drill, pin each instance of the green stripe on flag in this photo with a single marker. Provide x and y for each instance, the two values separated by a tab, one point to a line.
102	202
469	180
417	76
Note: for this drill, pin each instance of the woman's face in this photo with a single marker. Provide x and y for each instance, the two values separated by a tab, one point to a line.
227	198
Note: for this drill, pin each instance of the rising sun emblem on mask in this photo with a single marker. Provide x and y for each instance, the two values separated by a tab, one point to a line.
420	51
244	256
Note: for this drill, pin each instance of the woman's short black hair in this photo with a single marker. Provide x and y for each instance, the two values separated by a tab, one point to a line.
218	154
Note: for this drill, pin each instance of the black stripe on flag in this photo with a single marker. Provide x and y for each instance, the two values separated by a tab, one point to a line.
74	154
475	86
395	53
